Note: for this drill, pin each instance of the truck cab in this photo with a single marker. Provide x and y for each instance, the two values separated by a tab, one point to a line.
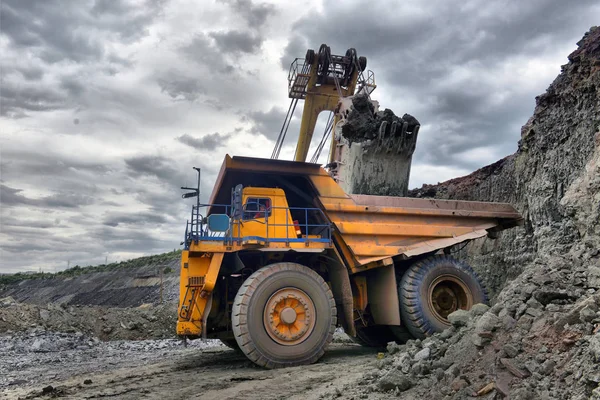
264	215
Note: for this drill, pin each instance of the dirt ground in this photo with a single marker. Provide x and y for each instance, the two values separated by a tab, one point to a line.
165	370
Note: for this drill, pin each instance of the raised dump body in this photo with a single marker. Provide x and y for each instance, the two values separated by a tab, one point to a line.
374	227
283	256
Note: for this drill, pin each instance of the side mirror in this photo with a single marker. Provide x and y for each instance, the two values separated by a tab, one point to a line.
218	222
236	202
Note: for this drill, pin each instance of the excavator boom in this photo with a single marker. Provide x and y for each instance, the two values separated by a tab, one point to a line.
321	80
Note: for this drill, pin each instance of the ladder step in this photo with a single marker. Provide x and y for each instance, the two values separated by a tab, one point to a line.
196	281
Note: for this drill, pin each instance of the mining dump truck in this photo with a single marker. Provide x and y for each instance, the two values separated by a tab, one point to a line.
281	256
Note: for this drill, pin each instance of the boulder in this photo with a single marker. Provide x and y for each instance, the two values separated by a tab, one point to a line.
394	380
459	318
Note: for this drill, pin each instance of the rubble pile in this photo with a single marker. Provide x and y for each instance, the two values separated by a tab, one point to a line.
106	323
377	150
363	122
541	337
541	340
58	356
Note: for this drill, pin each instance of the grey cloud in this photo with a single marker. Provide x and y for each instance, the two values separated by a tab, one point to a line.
46	164
237	41
181	88
418	39
415	54
439	67
166	203
133	239
39	33
53	44
31	73
201	50
72	85
269	123
153	166
13	197
137	219
29	240
255	14
9	221
266	123
206	142
16	100
296	48
215	103
62	30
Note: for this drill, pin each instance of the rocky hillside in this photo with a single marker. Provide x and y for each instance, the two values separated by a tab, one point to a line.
135	299
541	338
553	179
124	284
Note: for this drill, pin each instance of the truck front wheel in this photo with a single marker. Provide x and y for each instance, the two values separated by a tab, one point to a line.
284	315
432	289
231	343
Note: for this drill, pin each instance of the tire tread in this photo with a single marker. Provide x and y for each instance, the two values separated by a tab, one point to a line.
240	310
412	315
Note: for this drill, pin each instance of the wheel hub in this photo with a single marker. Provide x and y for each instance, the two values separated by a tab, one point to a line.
289	316
447	294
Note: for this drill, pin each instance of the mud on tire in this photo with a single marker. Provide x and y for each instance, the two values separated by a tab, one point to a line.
261	316
433	288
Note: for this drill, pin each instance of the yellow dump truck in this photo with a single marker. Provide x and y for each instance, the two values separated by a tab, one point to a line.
281	256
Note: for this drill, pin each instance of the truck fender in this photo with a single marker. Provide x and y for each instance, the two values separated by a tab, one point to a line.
342	293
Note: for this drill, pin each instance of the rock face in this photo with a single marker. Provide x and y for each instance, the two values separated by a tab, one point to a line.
553	180
116	285
106	323
541	338
378	149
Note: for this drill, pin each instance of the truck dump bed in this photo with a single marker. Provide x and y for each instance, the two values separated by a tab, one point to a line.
377	227
369	228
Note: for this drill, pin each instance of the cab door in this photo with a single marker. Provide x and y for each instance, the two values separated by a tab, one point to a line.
256	216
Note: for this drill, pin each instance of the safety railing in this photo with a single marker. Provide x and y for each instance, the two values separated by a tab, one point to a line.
196	227
368	85
276	230
298	77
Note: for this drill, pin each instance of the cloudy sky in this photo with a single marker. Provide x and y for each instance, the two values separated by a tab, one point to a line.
107	104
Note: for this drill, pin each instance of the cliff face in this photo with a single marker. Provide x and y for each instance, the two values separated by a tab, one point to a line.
553	179
541	337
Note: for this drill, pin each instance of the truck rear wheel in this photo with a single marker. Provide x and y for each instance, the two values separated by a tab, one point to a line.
284	315
432	289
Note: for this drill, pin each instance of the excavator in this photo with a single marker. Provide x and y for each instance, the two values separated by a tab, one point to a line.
340	85
282	254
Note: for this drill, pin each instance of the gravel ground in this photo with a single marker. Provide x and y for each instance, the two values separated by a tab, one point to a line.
39	364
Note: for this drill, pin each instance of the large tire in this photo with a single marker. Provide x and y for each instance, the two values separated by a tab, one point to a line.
284	315
377	336
433	288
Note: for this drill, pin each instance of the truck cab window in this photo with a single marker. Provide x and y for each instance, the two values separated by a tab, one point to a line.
257	207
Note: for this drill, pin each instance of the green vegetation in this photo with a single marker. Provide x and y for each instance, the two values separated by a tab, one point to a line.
77	270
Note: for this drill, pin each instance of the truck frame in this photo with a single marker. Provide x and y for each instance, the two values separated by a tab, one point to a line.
282	256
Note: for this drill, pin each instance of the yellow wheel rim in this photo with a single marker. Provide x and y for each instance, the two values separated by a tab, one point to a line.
289	316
